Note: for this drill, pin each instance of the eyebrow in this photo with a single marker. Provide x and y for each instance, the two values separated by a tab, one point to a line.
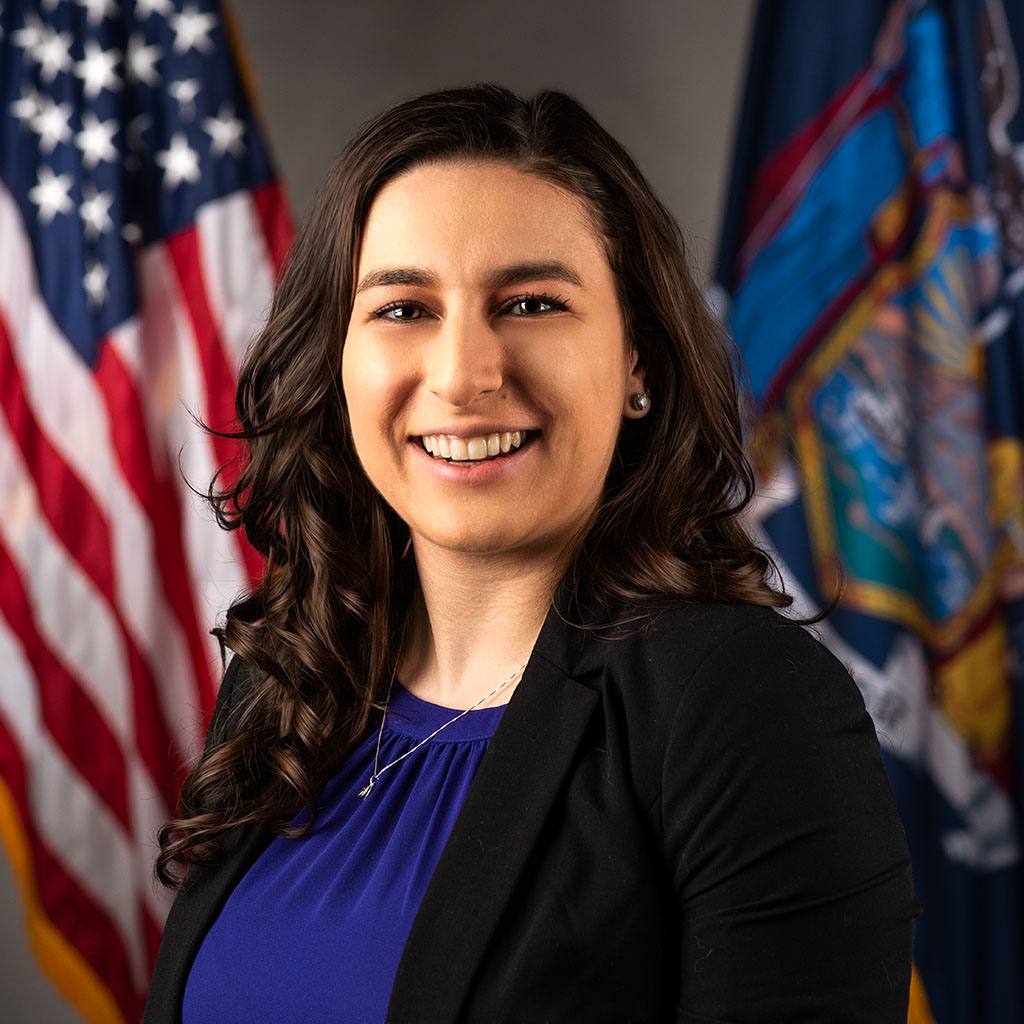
506	277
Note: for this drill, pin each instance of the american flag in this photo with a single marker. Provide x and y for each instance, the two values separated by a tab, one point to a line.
140	232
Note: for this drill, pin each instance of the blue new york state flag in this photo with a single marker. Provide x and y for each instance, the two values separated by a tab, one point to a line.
872	272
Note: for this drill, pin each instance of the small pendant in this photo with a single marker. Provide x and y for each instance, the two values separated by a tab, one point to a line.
368	789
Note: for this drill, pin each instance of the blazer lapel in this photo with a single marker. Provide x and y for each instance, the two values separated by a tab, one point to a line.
190	918
508	802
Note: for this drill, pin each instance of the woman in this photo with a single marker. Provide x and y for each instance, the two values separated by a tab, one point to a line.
495	467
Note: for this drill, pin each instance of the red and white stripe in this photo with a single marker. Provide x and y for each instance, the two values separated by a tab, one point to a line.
112	572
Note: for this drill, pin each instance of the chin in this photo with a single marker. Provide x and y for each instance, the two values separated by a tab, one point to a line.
472	542
476	538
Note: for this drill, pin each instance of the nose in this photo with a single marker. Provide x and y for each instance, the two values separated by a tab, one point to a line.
465	361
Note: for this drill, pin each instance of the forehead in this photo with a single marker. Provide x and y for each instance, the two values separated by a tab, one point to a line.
464	215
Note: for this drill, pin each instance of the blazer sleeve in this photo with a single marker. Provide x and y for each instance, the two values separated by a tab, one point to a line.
788	857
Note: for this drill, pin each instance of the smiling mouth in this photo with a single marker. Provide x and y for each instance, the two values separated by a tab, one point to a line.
474	450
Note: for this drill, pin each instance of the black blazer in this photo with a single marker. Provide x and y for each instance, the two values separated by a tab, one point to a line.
690	823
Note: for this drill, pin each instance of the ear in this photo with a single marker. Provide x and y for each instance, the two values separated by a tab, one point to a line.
634	407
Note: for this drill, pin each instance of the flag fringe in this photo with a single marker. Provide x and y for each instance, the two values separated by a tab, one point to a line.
77	982
919	1012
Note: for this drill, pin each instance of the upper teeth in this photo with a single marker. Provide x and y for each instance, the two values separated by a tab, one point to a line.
467	449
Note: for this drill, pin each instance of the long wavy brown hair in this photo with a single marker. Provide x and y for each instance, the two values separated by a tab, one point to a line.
322	631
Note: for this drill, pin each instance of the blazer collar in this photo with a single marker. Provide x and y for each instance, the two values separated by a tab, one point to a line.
510	798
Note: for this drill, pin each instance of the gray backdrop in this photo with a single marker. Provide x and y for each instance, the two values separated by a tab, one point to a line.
662	76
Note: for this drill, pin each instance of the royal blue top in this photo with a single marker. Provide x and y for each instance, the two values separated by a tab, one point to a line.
315	929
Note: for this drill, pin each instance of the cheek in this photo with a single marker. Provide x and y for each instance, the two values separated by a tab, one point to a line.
596	403
593	366
375	385
601	381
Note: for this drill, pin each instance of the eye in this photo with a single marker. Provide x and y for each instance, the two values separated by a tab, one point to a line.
534	305
399	312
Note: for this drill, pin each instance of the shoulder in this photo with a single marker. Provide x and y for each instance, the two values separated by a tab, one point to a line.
704	630
708	693
752	677
736	653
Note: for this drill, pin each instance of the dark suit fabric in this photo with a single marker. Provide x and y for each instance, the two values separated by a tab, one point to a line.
686	822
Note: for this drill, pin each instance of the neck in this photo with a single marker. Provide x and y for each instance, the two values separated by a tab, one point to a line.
474	623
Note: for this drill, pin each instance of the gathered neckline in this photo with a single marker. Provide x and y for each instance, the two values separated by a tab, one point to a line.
410	715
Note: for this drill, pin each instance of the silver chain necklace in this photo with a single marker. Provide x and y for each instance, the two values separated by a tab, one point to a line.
377	773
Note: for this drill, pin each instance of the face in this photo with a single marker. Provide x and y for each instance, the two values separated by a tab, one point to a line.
486	368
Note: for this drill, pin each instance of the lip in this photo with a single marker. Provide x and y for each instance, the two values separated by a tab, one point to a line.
481	472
